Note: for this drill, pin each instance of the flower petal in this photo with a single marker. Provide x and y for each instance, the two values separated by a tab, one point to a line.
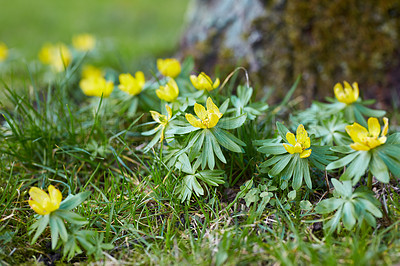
338	90
385	127
291	138
357	132
169	111
194	81
374	127
358	146
301	134
212	120
55	196
288	148
305	153
216	83
200	111
194	122
355	91
39	196
211	107
37	208
298	148
156	116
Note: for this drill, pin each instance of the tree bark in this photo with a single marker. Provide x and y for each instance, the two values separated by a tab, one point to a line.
325	41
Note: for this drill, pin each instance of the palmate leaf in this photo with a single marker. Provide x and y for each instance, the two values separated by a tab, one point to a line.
190	184
73	201
227	140
232	122
39	226
357	167
321	156
379	169
282	130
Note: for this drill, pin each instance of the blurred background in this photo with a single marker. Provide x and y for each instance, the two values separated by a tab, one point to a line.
128	30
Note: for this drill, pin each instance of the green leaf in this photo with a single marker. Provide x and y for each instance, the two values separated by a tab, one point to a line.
344	188
342	162
153	142
211	177
371	207
232	122
391	163
342	149
394	138
54	231
282	130
292	195
208	152
73	201
224	106
305	205
328	205
357	167
379	169
306	172
273	148
227	140
217	148
297	177
368	112
40	225
195	150
190	184
280	165
348	215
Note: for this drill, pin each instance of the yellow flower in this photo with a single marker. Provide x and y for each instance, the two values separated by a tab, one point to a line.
3	52
208	118
132	85
298	144
43	203
365	140
84	42
58	56
91	71
162	119
204	82
169	92
169	67
96	86
347	95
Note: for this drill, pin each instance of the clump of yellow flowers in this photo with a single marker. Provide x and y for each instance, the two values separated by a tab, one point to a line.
204	82
3	52
94	84
58	56
169	92
84	42
169	67
132	85
43	203
298	144
208	118
365	140
348	94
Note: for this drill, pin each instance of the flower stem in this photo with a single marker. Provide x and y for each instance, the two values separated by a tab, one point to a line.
369	181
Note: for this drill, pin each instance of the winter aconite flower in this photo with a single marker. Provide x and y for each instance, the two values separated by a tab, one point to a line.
348	94
43	203
162	120
208	118
364	139
3	52
96	86
204	82
169	92
132	85
58	56
169	67
84	42
298	144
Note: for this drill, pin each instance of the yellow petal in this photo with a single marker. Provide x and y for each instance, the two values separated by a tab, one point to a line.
139	75
385	127
301	134
216	83
211	107
288	148
307	143
372	142
357	132
156	116
194	80
359	146
55	196
382	139
305	153
290	138
39	196
200	111
338	90
212	120
374	127
298	148
355	91
194	122
37	208
169	111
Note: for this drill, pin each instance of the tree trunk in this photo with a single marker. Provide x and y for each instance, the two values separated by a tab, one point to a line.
326	41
